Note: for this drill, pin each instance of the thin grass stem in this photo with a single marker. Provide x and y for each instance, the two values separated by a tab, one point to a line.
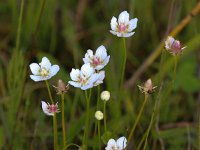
63	119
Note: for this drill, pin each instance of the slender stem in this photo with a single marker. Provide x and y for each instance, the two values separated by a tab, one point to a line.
99	136
124	63
175	67
98	97
72	144
138	117
86	132
55	132
104	117
49	91
63	119
199	131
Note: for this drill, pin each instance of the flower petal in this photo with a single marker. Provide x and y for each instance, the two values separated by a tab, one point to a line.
106	60
54	70
114	32
111	144
88	56
87	86
45	109
121	143
132	24
101	52
75	84
128	34
114	23
87	70
36	78
45	63
74	74
123	17
101	76
34	68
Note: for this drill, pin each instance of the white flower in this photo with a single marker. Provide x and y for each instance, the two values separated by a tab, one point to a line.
84	78
98	115
120	144
105	95
43	70
173	46
100	78
123	27
48	109
99	60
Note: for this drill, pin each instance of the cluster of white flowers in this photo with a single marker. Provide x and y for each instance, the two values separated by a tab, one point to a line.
120	144
90	73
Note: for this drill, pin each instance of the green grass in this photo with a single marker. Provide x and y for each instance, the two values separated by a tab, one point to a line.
66	29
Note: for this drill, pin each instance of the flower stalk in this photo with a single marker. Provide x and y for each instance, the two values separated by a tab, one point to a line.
63	119
124	62
138	117
104	119
49	91
55	132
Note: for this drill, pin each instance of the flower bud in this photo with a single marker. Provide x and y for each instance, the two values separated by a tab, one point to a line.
173	46
148	87
105	95
61	87
98	115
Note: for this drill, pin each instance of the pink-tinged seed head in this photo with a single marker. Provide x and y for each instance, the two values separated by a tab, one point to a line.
53	108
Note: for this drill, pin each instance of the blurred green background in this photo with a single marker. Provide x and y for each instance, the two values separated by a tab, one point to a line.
63	30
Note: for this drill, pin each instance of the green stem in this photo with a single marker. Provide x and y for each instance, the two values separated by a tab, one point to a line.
63	119
72	144
86	132
98	97
104	117
49	91
99	136
138	117
19	25
55	132
124	63
199	131
175	67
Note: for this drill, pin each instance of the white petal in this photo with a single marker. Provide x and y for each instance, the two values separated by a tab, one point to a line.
88	56
85	87
36	78
93	78
121	142
45	63
111	143
132	24
114	32
75	84
101	52
34	68
100	78
114	23
54	70
45	109
87	70
74	74
123	17
128	34
105	62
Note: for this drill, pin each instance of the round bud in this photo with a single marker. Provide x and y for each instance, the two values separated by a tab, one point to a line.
98	115
105	95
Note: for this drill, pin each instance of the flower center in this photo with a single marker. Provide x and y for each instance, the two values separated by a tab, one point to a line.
122	27
176	45
53	108
44	72
96	61
82	81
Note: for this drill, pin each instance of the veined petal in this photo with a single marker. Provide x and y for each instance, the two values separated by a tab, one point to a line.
111	143
132	24
54	70
45	63
128	34
114	32
123	17
34	68
114	23
101	52
121	143
106	60
87	86
93	78
45	109
74	74
75	84
88	56
36	78
87	70
100	78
